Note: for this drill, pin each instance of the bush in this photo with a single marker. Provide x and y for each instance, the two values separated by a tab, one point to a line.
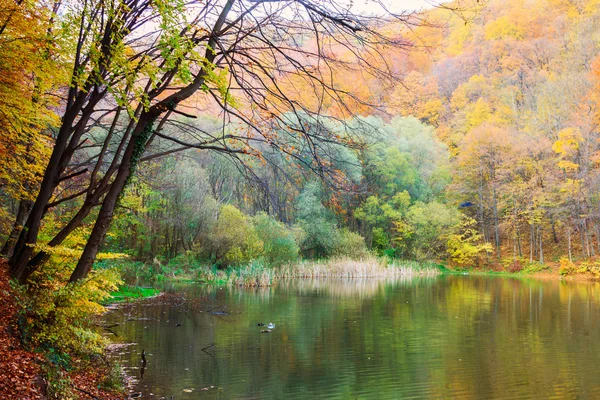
279	242
466	244
566	267
57	318
431	223
350	244
233	240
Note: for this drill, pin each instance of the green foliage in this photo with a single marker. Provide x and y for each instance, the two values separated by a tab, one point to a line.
114	380
253	274
60	385
317	222
431	224
534	267
127	293
279	242
233	240
350	244
56	316
405	155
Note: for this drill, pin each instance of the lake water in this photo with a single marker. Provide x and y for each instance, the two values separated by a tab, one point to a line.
451	336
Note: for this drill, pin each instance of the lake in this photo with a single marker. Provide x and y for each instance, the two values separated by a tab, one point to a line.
450	336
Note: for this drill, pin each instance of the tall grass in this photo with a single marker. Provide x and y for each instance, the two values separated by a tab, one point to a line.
257	274
254	274
348	268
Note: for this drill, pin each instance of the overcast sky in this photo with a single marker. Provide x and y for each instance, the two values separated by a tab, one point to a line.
396	6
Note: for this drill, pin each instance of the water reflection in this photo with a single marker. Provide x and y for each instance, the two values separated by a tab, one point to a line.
437	337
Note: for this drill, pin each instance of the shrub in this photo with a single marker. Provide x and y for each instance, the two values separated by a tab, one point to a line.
56	317
465	245
566	267
233	240
350	244
279	242
431	223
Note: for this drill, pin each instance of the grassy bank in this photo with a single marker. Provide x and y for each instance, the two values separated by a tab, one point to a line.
128	293
561	268
259	273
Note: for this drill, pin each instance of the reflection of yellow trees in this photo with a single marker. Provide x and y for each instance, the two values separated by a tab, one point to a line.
358	288
443	337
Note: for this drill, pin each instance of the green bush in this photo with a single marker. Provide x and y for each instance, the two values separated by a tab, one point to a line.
279	242
317	222
350	244
431	224
233	240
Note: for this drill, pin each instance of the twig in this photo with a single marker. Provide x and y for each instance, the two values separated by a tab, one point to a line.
88	393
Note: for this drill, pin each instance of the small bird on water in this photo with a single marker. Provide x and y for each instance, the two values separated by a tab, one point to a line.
271	325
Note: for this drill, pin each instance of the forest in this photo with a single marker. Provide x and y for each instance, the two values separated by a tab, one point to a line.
169	139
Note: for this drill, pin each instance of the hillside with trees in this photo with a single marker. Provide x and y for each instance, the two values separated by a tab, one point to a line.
145	140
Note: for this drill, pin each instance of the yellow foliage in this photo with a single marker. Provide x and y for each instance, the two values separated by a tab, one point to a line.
458	37
58	316
234	238
477	114
465	246
503	28
568	165
566	266
568	141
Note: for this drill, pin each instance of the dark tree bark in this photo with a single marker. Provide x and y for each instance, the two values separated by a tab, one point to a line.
20	218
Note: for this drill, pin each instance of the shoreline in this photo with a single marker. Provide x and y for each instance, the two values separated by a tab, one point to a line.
25	373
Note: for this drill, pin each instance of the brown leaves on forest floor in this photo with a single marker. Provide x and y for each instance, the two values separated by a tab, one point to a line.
20	370
21	374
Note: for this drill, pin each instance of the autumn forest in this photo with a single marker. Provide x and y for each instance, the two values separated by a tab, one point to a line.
244	142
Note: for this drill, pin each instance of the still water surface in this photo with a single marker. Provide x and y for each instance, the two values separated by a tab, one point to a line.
464	337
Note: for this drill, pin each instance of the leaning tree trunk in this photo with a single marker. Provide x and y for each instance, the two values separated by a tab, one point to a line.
61	154
21	217
42	256
28	236
134	150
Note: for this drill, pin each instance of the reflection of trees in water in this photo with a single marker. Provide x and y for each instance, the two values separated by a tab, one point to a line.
449	336
359	288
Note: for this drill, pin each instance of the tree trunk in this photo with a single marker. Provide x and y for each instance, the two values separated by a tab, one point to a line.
569	239
582	240
496	225
553	224
541	246
21	217
56	165
28	237
531	241
41	257
517	230
589	241
134	150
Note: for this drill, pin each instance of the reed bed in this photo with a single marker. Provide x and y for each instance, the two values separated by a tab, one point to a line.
348	268
257	274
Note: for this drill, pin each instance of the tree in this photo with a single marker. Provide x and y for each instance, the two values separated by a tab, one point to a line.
134	80
31	72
